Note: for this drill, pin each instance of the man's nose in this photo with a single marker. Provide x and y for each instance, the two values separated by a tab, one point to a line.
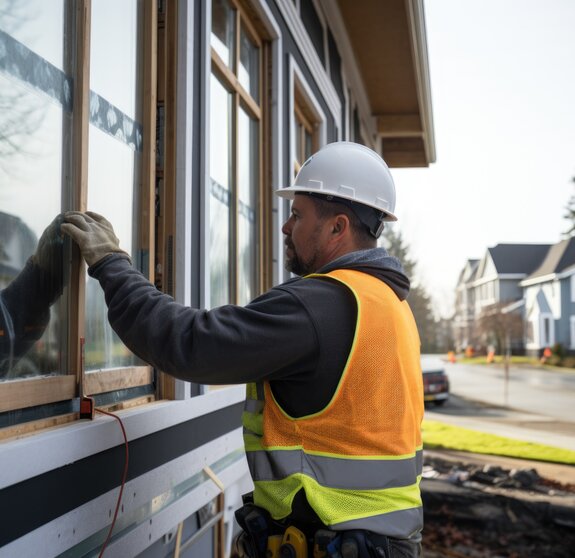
286	227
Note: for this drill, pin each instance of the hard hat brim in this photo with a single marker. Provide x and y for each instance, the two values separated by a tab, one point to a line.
289	193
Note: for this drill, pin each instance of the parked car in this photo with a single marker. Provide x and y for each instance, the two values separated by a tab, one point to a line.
435	380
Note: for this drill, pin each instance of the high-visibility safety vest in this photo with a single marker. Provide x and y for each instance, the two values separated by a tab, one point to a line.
359	459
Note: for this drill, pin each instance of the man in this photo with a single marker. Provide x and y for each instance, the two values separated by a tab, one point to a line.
334	398
25	303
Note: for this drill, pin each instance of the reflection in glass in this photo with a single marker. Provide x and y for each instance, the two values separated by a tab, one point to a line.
248	166
32	312
220	190
248	72
223	31
31	282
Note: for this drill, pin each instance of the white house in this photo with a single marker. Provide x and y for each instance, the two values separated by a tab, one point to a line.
549	294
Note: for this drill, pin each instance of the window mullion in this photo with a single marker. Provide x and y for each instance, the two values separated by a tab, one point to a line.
234	203
80	123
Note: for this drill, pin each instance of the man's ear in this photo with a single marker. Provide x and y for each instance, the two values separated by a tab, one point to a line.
340	224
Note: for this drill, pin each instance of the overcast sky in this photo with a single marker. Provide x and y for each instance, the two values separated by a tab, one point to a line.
503	95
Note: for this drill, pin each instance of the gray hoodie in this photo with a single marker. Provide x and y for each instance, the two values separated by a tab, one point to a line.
297	335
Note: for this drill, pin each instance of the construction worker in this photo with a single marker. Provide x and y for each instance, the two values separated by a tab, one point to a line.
334	397
25	302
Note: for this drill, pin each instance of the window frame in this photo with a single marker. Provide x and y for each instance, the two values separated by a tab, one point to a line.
74	383
304	105
242	100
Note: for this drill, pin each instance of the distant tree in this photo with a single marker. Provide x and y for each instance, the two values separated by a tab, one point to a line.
419	300
500	328
570	215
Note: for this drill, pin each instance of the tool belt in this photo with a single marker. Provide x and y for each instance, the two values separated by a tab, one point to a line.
262	537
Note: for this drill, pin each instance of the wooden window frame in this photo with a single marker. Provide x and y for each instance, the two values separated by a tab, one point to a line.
75	382
241	98
306	121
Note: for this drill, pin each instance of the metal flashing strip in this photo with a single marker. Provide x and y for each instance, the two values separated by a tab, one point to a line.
23	505
21	63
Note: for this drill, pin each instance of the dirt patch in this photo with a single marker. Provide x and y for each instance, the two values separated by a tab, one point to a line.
489	511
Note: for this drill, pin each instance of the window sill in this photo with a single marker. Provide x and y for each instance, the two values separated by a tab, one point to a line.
69	443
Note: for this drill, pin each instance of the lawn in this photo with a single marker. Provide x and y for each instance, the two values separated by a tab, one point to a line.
439	435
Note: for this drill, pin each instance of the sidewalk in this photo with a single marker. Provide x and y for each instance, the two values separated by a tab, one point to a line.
515	424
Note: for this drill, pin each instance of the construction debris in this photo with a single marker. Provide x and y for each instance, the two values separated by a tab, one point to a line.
487	511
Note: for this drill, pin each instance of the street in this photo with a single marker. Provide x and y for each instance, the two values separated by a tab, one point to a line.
538	391
535	405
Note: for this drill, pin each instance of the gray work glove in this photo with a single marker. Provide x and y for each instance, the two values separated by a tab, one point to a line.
49	253
94	235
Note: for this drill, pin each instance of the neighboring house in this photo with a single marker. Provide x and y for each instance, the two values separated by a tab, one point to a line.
492	291
177	120
549	293
464	318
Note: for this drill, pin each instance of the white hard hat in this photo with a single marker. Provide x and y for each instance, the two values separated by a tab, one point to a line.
347	171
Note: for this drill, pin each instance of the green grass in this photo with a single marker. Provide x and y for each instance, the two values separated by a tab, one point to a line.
518	361
440	435
498	359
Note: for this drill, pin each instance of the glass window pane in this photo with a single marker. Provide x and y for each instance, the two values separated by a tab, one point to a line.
32	310
248	73
37	24
223	31
220	192
114	157
308	145
248	186
116	53
113	177
298	146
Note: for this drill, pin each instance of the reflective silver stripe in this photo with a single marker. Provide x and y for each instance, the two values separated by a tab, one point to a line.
353	474
399	524
254	406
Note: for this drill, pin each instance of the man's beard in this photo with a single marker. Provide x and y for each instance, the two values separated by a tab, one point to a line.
296	265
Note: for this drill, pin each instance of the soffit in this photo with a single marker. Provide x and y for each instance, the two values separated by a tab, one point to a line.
389	46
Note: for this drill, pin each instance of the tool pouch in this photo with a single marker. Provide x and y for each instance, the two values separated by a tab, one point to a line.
359	544
255	523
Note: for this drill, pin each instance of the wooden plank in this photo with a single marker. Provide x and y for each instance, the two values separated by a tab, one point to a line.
80	128
128	403
114	379
19	394
399	125
167	224
34	426
150	79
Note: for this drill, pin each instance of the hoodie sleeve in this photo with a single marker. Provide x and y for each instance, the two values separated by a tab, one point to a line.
230	344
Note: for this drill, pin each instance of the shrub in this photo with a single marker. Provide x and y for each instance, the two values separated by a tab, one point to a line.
559	350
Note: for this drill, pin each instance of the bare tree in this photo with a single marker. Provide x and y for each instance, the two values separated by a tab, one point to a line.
500	328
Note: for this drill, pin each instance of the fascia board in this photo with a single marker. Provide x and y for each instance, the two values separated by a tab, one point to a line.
567	273
483	280
540	279
416	21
